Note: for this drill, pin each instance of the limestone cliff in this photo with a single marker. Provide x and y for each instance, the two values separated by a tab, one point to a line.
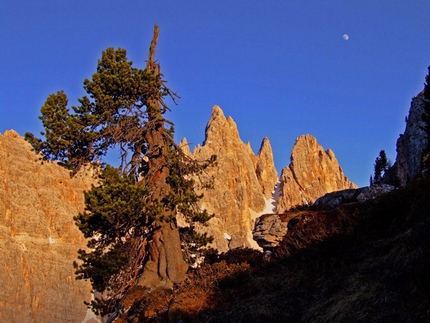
241	181
411	144
38	238
312	173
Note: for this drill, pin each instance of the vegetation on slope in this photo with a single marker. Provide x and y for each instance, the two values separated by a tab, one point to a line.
361	262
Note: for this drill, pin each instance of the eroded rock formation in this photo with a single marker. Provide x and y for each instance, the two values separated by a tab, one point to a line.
312	173
241	181
38	237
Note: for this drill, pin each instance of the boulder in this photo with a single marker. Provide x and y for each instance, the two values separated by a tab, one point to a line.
372	192
339	197
270	229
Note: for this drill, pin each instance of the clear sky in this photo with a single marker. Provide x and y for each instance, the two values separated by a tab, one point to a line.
279	68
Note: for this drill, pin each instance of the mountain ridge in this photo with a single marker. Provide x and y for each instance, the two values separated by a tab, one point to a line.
245	181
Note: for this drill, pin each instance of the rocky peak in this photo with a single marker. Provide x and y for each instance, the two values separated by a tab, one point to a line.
238	193
411	144
183	145
312	173
221	129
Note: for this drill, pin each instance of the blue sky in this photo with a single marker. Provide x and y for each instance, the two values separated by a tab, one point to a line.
279	68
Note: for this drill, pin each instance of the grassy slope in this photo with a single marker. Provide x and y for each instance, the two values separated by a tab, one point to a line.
366	262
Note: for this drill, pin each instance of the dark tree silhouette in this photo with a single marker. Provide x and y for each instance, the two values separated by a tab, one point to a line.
381	166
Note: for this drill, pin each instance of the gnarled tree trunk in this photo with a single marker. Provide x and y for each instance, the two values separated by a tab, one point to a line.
166	264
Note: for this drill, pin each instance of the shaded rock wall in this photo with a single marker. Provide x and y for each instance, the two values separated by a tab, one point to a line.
38	238
411	144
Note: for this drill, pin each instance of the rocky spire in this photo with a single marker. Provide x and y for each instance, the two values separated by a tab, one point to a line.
312	173
183	145
237	192
265	168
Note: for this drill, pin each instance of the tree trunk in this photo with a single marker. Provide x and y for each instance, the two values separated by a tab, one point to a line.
166	264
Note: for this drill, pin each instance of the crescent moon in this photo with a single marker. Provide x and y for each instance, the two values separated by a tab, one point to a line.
345	36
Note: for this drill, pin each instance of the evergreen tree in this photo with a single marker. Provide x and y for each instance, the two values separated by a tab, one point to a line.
381	166
66	139
116	214
130	218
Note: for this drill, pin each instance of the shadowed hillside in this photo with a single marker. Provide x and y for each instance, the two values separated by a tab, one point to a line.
365	262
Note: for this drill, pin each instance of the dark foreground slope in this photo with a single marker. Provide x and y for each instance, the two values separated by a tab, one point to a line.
366	262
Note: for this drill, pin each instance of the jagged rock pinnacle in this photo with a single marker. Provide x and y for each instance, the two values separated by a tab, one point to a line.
265	168
238	192
312	173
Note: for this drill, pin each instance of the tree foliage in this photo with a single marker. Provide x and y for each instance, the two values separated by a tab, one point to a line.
65	137
116	221
123	111
114	114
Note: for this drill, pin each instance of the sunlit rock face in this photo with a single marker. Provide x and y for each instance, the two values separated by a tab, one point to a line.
312	173
411	144
265	168
241	182
38	238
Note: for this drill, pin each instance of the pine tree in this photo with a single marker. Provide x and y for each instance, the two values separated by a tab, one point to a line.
381	166
130	218
116	215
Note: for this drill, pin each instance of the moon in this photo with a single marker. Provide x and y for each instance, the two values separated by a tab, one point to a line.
345	36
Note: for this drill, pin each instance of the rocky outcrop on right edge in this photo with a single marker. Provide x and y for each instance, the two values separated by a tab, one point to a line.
411	144
312	173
